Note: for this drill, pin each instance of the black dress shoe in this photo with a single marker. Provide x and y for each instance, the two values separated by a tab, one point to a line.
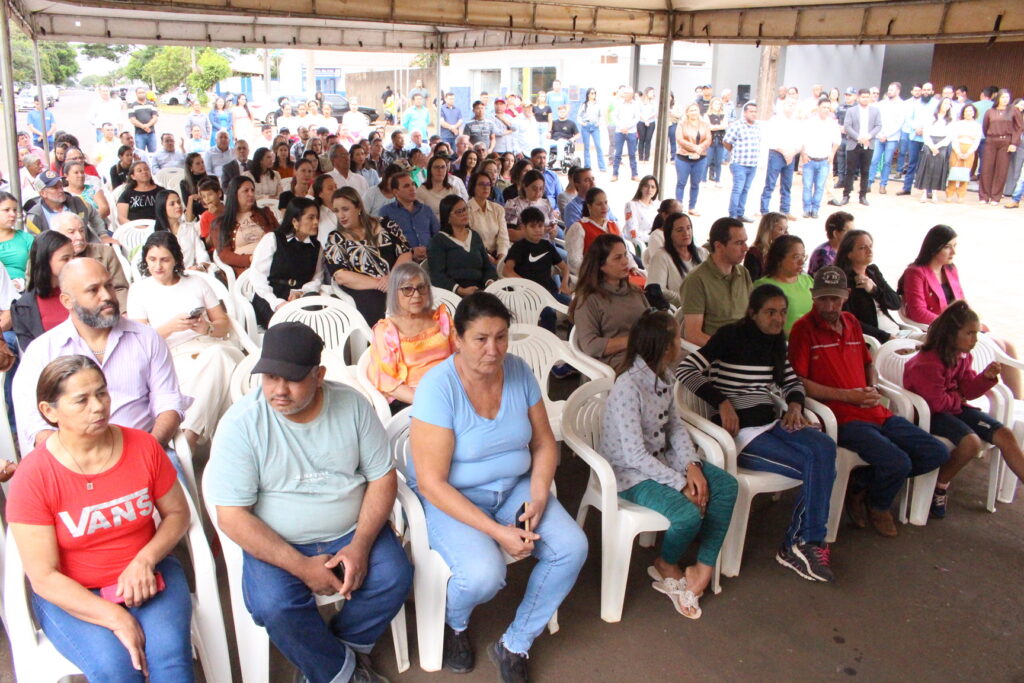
903	193
864	200
839	202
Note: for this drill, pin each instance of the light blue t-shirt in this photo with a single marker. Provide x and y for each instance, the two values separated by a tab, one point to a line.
304	481
489	454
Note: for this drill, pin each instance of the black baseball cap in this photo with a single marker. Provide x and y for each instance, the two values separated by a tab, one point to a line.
290	350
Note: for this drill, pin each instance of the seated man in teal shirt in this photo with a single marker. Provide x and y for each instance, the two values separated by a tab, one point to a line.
293	467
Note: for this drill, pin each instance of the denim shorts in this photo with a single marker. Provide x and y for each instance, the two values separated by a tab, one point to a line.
970	421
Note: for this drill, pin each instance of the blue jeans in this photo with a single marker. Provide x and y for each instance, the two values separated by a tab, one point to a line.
913	153
165	620
630	140
284	605
672	140
145	142
904	150
1019	190
883	155
548	315
692	170
12	344
807	455
778	171
478	567
592	132
742	179
449	137
716	155
894	450
815	179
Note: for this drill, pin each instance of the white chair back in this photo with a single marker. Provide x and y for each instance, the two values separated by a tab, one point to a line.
133	234
170	178
892	358
525	299
443	296
340	325
243	291
231	307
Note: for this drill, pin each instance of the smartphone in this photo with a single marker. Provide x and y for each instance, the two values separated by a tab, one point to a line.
110	592
339	571
523	524
196	312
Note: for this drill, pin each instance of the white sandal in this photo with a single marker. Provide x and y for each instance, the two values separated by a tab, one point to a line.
685	601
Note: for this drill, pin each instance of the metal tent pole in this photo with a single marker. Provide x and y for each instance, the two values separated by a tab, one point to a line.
438	97
42	98
661	131
10	127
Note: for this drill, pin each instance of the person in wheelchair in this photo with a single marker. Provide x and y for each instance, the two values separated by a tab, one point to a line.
564	133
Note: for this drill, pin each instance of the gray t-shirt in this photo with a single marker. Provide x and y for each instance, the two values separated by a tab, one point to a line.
305	481
478	131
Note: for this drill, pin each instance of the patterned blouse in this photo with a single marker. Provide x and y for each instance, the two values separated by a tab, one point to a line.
359	256
397	360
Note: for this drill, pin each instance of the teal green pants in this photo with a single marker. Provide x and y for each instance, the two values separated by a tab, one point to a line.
684	519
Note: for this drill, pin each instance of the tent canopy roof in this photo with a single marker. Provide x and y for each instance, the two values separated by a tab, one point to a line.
464	25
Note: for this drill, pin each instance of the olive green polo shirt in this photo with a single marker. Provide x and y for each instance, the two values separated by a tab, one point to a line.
721	299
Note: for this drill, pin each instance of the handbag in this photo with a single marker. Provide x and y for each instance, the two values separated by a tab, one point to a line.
959	174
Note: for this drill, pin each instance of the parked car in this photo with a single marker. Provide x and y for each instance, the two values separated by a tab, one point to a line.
339	107
25	100
179	95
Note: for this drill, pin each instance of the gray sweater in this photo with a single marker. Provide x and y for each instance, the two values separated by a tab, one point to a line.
599	318
642	435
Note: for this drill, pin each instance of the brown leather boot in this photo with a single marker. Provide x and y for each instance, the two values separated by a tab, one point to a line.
857	508
883	522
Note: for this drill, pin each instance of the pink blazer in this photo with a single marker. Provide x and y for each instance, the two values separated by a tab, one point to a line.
944	388
923	298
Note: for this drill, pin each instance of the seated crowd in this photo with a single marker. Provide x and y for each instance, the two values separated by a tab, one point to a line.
109	373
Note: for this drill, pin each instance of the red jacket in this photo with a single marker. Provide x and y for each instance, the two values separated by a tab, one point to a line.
923	298
945	388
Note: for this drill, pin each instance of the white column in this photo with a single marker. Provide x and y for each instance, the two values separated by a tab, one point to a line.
10	127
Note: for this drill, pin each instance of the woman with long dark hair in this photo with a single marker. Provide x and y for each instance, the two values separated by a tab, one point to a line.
195	173
933	168
287	262
437	185
738	373
656	465
186	312
457	258
772	226
300	185
170	216
241	225
324	188
39	308
1002	126
680	254
358	164
871	298
283	163
605	305
641	210
265	179
595	221
942	374
360	254
242	120
139	197
467	165
589	117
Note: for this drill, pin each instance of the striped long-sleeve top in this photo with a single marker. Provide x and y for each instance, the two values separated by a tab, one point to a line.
736	364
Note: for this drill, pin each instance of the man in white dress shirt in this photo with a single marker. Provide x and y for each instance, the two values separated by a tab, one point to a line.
343	174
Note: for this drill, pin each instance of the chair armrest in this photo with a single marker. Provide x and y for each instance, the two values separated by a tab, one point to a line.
824	415
416	521
600	467
917	404
898	402
244	340
708	445
591	367
726	443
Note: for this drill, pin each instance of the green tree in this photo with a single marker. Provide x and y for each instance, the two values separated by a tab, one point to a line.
101	51
211	67
133	69
57	61
169	68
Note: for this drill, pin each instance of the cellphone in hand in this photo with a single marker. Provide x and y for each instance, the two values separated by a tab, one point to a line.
196	312
109	593
339	571
523	524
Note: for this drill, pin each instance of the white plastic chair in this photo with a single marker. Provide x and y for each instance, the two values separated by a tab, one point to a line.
449	298
890	365
112	197
237	320
335	290
430	580
900	318
243	381
36	659
126	267
243	291
229	272
984	353
695	412
272	204
363	378
133	234
253	642
574	344
340	325
542	351
525	299
170	178
621	520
